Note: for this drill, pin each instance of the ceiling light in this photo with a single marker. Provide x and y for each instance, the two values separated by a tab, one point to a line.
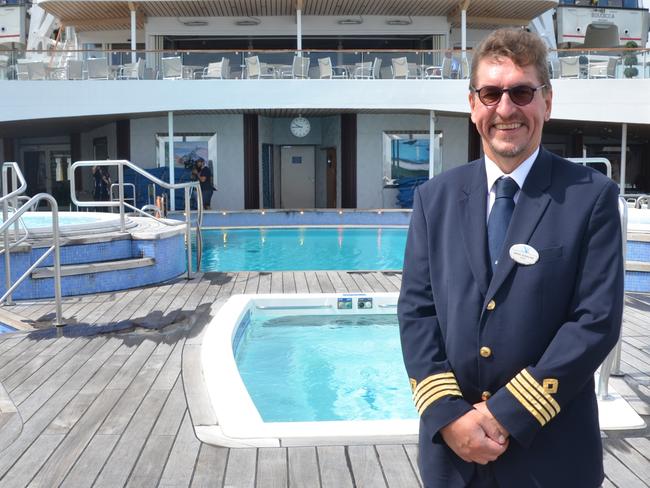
350	21
408	21
195	23
248	22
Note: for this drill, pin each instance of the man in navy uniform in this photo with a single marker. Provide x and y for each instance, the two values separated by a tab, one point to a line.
511	293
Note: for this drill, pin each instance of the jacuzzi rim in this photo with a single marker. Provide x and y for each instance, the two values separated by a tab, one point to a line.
104	222
239	423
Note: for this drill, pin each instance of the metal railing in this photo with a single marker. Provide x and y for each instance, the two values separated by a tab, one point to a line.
193	64
188	187
7	222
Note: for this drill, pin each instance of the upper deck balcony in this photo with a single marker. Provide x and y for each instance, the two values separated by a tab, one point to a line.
38	85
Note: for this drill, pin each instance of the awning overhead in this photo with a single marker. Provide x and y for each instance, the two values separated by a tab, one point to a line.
111	14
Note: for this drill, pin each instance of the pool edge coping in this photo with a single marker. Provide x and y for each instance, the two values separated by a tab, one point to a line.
257	433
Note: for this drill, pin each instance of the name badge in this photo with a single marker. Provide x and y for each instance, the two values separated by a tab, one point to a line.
524	254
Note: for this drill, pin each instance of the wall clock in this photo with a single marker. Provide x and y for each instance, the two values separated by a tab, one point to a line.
300	127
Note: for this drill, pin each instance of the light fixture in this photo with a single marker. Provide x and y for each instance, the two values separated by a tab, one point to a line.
250	21
408	21
350	21
194	23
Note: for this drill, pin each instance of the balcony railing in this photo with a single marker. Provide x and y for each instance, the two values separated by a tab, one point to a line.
306	64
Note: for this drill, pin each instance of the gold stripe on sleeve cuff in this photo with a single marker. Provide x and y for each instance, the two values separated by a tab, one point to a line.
533	397
433	388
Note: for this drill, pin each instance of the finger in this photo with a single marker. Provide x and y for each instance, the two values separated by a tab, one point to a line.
491	429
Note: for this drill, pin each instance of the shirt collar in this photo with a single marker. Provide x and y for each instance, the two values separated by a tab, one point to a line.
519	174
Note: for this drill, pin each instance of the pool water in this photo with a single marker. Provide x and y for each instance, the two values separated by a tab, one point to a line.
44	219
5	328
325	367
304	248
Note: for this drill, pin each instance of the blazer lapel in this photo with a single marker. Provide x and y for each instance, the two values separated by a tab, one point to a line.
473	211
530	207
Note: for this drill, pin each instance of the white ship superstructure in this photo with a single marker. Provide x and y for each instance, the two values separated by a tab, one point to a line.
296	104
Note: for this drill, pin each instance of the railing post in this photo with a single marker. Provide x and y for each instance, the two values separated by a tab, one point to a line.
188	231
120	179
57	261
5	234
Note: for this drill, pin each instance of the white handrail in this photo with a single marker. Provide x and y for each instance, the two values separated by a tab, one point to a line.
121	204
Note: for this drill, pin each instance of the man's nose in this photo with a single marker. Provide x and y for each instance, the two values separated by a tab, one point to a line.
506	105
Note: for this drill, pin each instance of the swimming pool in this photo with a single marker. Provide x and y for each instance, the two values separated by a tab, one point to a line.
243	422
303	248
311	368
39	224
5	328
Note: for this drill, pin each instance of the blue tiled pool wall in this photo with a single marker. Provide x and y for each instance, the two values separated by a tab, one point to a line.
5	328
169	255
242	328
295	218
637	280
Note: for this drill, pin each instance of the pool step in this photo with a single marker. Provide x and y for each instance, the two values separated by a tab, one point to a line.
89	268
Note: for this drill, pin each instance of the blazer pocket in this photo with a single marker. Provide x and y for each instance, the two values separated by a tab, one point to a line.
549	254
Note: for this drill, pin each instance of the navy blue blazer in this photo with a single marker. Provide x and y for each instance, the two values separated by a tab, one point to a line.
529	338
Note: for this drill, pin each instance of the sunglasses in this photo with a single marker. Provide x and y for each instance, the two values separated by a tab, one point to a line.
519	95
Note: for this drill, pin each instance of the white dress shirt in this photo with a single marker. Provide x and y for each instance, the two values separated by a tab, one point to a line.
493	173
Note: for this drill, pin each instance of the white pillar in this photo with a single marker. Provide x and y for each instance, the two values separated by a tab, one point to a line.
463	32
623	156
133	33
170	131
299	26
432	142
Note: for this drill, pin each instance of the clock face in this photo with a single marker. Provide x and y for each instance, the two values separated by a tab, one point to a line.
300	127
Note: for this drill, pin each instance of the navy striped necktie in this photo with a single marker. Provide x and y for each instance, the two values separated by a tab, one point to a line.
504	205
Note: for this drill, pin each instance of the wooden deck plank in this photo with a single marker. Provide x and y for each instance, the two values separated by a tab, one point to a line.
20	391
91	461
240	469
132	296
630	457
117	421
77	362
150	465
68	451
337	283
252	283
365	467
180	464
382	279
272	468
303	467
619	474
131	368
412	453
276	282
125	454
19	357
37	454
300	282
52	347
334	472
171	416
324	281
288	282
264	283
195	298
240	283
349	283
312	283
211	466
397	467
374	284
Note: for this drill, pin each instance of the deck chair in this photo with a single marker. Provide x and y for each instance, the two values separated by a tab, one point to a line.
368	70
36	70
21	70
299	68
327	71
75	69
569	67
218	70
172	68
400	68
98	69
603	69
132	71
255	69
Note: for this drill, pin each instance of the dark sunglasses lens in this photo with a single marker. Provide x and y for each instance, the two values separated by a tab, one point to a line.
521	95
490	95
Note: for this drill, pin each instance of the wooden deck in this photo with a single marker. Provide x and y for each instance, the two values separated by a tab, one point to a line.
104	402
